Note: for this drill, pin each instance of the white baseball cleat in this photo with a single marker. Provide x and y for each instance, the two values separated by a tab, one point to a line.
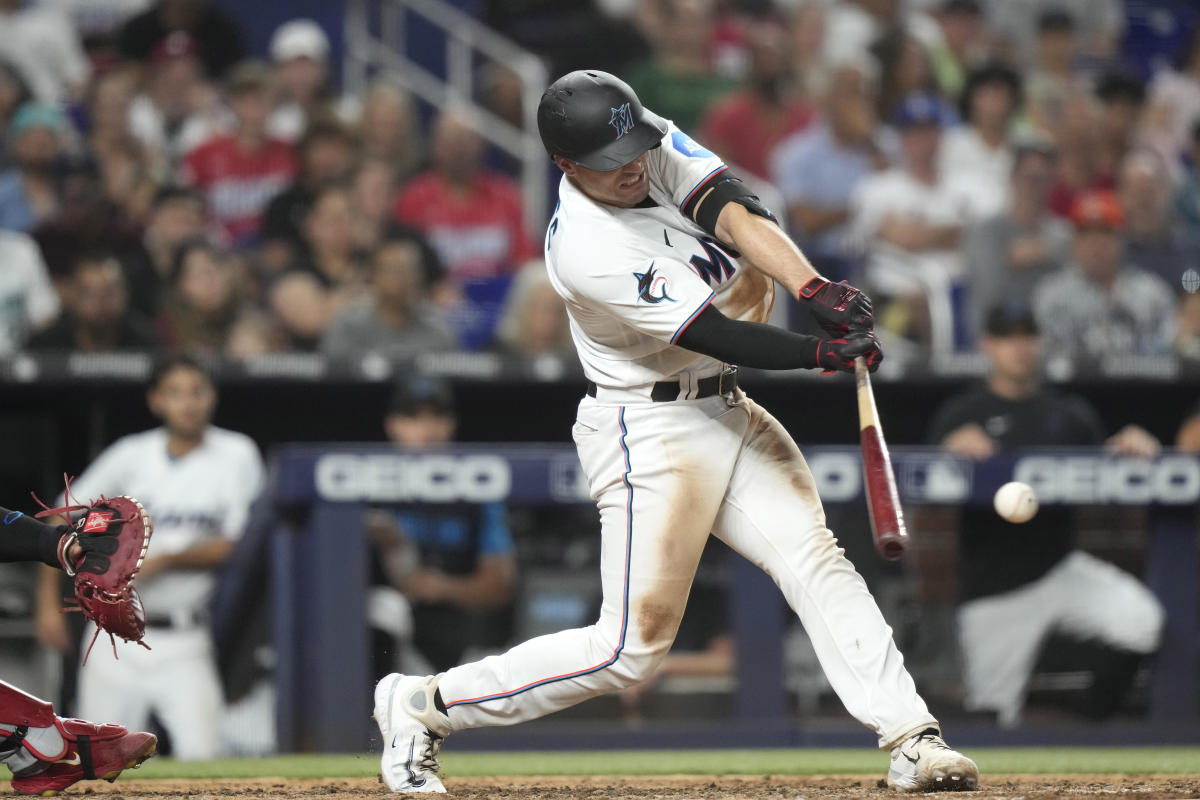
407	718
924	763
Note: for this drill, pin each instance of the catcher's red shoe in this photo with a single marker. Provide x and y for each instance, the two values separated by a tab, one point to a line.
93	752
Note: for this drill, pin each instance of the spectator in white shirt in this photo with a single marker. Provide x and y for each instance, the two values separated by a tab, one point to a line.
977	154
910	220
28	301
42	43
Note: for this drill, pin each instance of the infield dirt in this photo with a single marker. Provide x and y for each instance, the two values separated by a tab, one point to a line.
792	787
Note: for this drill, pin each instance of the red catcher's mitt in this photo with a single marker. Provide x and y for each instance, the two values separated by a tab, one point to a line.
113	535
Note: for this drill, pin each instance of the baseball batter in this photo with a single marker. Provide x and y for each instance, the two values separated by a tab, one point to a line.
666	263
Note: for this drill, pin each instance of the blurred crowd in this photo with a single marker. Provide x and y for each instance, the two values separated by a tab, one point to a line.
161	190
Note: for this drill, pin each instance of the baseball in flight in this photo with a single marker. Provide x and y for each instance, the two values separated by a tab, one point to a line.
1016	501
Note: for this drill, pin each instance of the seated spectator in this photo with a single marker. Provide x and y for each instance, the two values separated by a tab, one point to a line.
300	54
97	319
328	275
904	69
911	219
1188	200
178	108
956	43
125	165
372	193
1173	108
1052	74
176	215
240	172
454	564
1152	241
202	20
393	322
818	170
1007	254
87	222
28	302
1101	306
473	218
203	302
1022	582
534	321
325	154
679	81
1109	137
743	126
40	41
977	155
388	128
28	193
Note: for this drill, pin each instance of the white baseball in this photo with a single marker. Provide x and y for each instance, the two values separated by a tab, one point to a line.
1016	501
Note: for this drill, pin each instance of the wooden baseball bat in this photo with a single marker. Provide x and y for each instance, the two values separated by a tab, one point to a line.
883	501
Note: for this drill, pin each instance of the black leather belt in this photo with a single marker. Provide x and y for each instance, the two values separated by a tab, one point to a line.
666	391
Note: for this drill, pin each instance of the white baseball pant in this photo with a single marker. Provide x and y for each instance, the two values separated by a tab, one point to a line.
1082	597
665	475
177	680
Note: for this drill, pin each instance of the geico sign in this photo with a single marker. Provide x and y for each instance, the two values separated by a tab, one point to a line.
417	478
1173	480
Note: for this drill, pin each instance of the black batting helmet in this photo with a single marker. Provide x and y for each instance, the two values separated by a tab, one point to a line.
595	120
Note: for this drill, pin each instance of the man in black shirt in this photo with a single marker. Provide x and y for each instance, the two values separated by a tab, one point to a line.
1020	583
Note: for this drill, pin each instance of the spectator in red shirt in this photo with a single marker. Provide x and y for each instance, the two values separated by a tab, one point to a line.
745	125
239	173
470	215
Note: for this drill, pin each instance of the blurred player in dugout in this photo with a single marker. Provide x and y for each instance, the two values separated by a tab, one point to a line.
1024	583
442	573
197	481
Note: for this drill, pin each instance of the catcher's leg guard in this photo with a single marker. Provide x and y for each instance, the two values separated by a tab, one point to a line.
93	752
29	731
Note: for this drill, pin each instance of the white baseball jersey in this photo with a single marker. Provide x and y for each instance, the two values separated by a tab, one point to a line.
202	494
666	475
659	272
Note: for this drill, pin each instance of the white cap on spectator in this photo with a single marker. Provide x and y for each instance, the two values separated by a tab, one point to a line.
299	38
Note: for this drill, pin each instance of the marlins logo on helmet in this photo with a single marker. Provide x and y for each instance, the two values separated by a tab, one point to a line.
622	119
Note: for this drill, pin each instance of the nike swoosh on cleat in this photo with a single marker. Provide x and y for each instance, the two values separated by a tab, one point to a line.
910	758
75	762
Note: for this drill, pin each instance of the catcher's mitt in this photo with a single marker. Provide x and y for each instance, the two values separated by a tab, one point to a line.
113	535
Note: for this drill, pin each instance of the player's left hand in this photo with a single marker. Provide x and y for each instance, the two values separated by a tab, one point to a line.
837	355
839	308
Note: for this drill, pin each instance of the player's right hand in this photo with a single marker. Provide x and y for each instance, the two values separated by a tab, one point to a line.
837	355
839	308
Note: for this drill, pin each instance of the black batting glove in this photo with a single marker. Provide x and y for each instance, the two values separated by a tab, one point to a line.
837	355
838	308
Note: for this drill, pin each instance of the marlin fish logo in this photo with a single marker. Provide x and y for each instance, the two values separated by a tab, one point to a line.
622	119
648	283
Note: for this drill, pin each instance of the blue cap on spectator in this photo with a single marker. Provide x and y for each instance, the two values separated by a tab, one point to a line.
921	108
36	115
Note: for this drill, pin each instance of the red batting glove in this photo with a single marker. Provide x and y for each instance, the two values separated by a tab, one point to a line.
838	308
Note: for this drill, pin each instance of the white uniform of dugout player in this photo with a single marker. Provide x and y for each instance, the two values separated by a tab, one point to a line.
197	481
673	451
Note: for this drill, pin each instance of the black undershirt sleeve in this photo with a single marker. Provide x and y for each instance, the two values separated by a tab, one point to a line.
24	538
748	344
